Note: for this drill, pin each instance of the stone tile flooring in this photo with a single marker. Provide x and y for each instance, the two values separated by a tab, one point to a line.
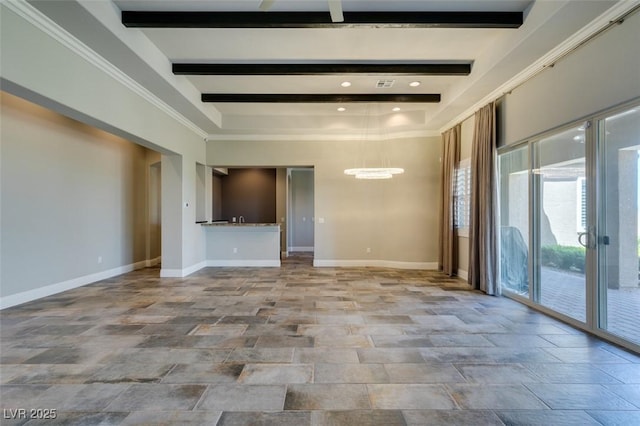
299	345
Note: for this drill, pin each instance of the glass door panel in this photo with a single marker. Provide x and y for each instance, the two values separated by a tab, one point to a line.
619	232
514	221
560	222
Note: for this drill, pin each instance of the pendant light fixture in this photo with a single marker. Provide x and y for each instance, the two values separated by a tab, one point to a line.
373	172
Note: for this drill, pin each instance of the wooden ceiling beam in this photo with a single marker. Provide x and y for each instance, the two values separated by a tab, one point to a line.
389	69
209	19
318	98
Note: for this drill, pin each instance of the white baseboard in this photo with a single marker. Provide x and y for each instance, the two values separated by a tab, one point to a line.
244	263
302	248
461	273
37	293
194	268
375	263
48	290
180	273
171	273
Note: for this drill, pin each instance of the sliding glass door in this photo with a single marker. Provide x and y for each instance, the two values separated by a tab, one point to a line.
560	222
570	216
514	220
619	233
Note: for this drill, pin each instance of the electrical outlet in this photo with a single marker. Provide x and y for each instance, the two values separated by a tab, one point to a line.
368	249
235	249
99	259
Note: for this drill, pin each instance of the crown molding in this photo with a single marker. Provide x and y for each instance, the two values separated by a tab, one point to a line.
595	27
49	27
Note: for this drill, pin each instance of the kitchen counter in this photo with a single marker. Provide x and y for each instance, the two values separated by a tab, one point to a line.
242	244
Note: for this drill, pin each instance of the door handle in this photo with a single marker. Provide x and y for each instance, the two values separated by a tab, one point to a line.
590	241
580	236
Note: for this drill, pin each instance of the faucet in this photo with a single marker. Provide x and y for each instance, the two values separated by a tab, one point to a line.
241	219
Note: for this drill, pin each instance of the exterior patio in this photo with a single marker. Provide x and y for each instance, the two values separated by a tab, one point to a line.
565	292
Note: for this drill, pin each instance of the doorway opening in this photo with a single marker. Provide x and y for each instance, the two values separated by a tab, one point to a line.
300	212
283	195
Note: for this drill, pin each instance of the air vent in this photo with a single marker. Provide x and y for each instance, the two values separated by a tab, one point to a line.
384	84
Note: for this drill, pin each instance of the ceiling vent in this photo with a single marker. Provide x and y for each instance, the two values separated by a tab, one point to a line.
384	84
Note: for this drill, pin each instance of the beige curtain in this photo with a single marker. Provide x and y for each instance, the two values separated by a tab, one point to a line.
448	240
483	259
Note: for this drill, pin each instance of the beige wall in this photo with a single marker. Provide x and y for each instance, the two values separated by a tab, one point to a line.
75	199
396	219
85	90
90	91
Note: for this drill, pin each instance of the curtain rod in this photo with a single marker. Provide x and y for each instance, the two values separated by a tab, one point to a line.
615	22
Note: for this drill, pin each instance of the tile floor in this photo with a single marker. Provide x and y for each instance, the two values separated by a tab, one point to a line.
303	346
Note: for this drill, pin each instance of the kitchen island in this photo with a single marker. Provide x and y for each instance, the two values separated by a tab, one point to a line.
243	244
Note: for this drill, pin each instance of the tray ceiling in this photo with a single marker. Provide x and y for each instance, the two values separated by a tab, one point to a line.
169	61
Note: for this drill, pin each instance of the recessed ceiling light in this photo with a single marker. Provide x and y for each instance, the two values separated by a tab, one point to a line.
345	84
396	109
342	109
414	84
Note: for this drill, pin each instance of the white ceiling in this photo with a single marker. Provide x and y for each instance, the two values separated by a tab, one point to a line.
497	56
